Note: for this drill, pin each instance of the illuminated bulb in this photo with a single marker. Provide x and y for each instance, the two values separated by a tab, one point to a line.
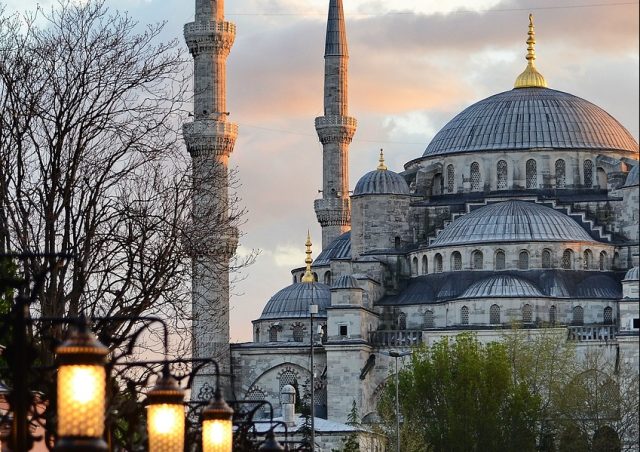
217	435
84	380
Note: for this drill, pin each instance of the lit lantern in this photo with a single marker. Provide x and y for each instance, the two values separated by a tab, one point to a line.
217	427
81	392
165	415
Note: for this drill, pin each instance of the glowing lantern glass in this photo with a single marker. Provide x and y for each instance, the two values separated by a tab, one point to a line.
217	427
165	415
81	392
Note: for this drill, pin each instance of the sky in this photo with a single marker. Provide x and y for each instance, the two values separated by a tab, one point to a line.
414	64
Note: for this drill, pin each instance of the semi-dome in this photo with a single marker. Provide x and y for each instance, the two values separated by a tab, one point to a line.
511	221
531	118
382	181
633	178
293	301
599	286
633	274
501	286
339	248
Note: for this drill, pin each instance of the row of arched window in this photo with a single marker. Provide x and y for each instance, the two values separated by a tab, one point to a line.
531	175
527	315
477	261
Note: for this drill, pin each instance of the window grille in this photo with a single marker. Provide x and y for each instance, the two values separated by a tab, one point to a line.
561	177
327	278
494	314
500	261
608	315
523	260
478	263
527	313
475	176
298	333
578	315
587	259
532	174
456	261
451	178
546	259
567	259
603	260
414	266
588	173
273	334
425	265
501	172
288	377
464	315
402	321
428	319
552	315
257	395
438	263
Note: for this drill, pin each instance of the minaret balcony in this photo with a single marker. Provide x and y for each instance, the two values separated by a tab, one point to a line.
210	27
209	36
205	137
336	121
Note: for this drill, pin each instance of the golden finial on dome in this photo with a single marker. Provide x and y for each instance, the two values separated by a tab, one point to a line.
530	77
381	165
308	276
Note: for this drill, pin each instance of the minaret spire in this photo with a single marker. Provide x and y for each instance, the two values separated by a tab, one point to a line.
210	140
308	276
530	77
335	130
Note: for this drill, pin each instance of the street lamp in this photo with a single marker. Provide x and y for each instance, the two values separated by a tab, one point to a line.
398	354
81	392
217	428
165	414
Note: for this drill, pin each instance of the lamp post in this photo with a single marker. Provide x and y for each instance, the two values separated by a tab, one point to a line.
313	309
398	354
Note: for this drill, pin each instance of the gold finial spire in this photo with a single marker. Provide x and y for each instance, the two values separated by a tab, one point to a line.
381	165
308	276
530	77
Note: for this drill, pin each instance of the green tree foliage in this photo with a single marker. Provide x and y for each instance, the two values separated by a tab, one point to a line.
350	442
461	396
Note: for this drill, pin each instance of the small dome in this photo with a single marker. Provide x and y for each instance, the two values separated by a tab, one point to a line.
633	274
599	286
293	301
511	221
381	182
340	248
633	178
345	282
501	286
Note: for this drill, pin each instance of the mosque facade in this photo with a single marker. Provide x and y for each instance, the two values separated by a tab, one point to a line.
523	209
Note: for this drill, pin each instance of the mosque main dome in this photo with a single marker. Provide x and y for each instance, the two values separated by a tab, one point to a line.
293	301
530	118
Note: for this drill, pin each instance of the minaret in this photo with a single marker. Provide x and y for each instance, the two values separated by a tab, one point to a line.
335	130
210	139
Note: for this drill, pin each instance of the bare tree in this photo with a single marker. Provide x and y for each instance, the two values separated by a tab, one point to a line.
92	165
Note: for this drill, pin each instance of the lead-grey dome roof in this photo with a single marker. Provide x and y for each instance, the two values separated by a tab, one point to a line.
381	182
511	221
340	248
529	118
501	286
632	275
633	178
293	301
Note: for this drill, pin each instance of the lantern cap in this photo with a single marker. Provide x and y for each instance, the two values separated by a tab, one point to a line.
166	390
82	347
271	444
217	409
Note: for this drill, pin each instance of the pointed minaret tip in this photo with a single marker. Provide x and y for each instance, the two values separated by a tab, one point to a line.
336	41
530	77
381	165
308	276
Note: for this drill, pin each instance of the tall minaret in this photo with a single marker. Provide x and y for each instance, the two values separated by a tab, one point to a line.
210	139
335	130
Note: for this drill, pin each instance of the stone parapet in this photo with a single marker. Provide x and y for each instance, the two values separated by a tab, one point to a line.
334	128
209	137
333	212
209	36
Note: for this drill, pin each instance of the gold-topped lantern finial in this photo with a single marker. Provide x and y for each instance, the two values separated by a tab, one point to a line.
381	165
530	77
308	276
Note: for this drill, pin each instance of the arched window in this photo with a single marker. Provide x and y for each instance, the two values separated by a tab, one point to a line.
425	265
257	395
273	334
578	315
552	315
397	243
587	260
438	259
477	257
438	185
616	260
527	313
315	277
414	266
451	178
523	260
475	176
327	278
603	260
500	260
567	259
501	172
402	321
561	174
532	174
464	315
494	314
546	259
288	377
298	332
588	173
602	178
256	336
456	261
608	315
428	319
